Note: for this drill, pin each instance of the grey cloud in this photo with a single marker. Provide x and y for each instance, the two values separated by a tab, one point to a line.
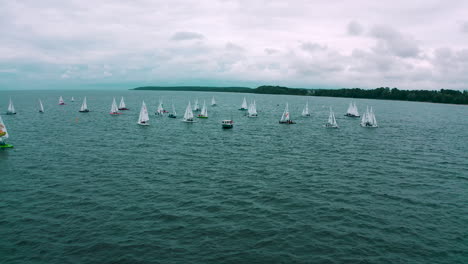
354	28
312	47
464	27
393	42
271	51
186	35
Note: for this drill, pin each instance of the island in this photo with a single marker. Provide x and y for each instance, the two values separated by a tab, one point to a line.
445	96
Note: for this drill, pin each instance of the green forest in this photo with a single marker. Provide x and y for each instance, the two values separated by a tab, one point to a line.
385	93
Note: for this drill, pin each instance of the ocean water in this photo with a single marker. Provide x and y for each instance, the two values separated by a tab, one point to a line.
96	188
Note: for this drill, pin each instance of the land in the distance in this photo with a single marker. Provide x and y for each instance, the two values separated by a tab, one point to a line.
440	96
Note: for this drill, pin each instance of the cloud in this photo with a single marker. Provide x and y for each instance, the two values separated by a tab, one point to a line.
464	27
186	35
312	47
393	42
354	28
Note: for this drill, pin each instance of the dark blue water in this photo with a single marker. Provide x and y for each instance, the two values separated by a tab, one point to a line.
96	188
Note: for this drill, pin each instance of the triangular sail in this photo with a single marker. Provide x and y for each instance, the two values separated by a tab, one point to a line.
244	104
196	107
144	117
84	105
188	112
160	109
61	100
73	99
122	103
252	109
204	111
3	129
285	116
114	108
213	102
305	111
11	107
173	110
41	107
331	119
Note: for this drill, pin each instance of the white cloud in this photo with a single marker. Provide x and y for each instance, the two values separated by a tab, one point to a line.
295	43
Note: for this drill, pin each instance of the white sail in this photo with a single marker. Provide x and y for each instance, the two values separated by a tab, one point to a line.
305	111
61	102
244	104
84	105
160	109
122	103
11	108
3	130
196	107
331	120
368	118
73	99
114	108
252	111
373	120
285	117
204	111
144	117
356	112
213	102
188	116
173	110
41	107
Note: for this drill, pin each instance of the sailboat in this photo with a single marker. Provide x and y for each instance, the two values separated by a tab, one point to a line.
204	111
41	107
352	110
61	102
11	108
213	102
244	105
143	118
173	114
3	135
73	99
331	123
252	111
196	107
114	109
286	118
368	119
84	106
188	116
122	105
305	111
160	110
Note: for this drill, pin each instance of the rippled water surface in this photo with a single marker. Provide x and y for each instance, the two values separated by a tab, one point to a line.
96	188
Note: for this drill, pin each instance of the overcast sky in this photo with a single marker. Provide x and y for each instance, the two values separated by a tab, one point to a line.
417	44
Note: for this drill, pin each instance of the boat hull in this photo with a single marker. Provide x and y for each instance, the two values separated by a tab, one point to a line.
115	113
143	124
227	126
202	117
85	111
6	146
287	122
189	121
11	113
124	108
350	115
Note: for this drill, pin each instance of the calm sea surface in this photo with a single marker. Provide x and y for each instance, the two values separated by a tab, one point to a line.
96	188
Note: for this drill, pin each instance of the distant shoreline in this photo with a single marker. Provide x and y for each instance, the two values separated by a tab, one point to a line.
443	96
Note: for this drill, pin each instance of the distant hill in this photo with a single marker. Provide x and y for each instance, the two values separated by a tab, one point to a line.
385	93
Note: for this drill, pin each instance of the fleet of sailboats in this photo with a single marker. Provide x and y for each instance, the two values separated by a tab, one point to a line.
41	107
352	110
114	109
84	106
331	123
11	108
286	117
122	105
252	111
368	119
188	116
144	117
204	111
